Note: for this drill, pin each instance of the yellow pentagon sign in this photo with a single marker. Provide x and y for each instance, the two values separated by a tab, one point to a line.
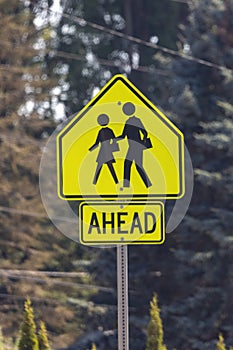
120	146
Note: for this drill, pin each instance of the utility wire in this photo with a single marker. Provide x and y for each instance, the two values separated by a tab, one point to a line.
52	301
15	69
103	62
22	212
108	63
36	299
34	214
43	273
82	22
183	1
17	141
55	282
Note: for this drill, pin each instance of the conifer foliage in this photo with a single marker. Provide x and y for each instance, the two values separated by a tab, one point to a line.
24	86
28	338
43	337
107	55
155	328
220	343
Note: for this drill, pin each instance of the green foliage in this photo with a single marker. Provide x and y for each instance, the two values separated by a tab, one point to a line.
28	338
207	38
21	75
155	328
220	344
101	55
43	337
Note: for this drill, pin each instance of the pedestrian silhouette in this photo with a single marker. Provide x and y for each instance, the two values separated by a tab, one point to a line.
108	144
132	130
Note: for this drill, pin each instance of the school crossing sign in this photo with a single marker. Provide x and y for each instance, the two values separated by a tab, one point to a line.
120	157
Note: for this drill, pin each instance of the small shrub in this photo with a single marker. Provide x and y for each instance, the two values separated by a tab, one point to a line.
220	344
28	338
155	328
43	337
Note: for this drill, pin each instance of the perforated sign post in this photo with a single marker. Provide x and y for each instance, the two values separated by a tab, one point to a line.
121	158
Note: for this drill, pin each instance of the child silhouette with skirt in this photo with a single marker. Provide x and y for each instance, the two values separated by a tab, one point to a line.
108	145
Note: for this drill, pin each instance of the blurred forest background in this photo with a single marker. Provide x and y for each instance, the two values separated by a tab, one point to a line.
54	57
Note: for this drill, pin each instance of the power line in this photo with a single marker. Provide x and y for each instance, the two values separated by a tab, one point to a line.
44	273
5	273
118	63
82	22
15	69
34	214
183	1
51	301
22	212
103	62
36	299
108	63
6	138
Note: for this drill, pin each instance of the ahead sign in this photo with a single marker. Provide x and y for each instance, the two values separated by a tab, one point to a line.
120	146
117	224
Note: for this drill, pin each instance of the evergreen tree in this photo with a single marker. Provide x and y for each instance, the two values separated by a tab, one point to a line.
206	88
43	337
28	338
101	54
203	104
220	344
155	328
14	51
24	85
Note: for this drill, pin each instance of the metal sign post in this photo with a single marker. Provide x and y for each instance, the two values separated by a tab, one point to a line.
122	286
